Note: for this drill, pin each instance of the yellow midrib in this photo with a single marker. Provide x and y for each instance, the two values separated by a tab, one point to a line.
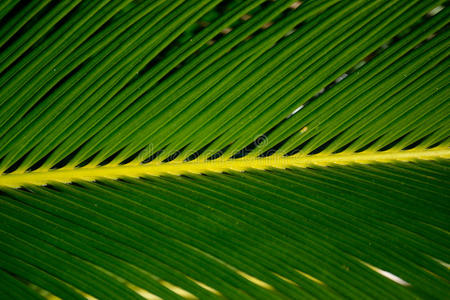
89	174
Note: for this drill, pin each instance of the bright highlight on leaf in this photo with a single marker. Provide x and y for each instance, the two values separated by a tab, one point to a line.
211	149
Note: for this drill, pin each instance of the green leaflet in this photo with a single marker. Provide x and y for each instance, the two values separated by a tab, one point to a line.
105	114
224	149
325	222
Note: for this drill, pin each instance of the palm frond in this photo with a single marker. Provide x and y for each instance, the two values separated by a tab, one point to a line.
224	149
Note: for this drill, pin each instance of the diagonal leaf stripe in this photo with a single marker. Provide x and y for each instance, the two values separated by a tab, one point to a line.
54	146
211	149
310	233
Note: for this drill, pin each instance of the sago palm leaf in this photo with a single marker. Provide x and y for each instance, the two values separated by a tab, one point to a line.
211	149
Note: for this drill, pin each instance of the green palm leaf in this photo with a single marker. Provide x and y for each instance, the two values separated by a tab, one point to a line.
224	149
